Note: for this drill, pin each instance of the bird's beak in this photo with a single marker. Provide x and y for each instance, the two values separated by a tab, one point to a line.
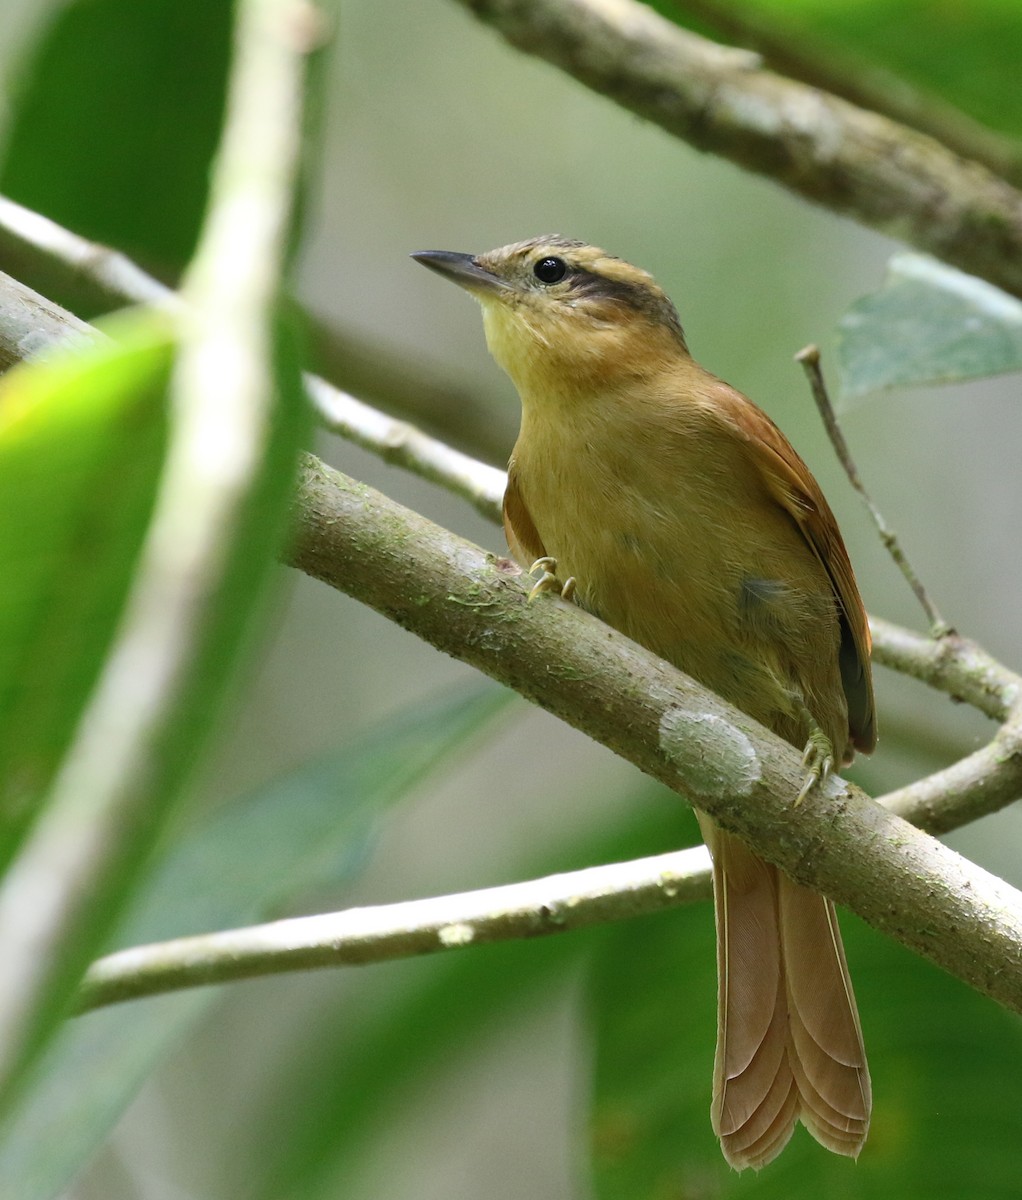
461	269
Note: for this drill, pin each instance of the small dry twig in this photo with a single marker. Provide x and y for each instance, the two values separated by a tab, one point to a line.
810	360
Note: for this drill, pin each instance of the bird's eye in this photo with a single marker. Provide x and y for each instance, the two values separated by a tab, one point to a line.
550	270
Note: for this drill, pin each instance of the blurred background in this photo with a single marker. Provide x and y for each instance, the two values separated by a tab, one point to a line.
464	1079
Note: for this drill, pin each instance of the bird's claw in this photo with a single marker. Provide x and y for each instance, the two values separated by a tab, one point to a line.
818	756
548	581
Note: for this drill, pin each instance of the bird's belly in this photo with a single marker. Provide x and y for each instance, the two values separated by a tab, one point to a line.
751	616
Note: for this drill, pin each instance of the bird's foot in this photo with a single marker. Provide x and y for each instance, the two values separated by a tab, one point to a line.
818	756
548	580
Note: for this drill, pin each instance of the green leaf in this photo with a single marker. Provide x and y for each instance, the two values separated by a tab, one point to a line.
327	1114
929	323
313	826
234	597
944	1102
115	121
81	443
967	54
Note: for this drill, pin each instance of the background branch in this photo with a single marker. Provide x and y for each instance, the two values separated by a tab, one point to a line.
786	49
809	357
719	99
28	323
91	277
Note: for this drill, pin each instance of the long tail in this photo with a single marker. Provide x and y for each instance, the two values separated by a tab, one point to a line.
789	1046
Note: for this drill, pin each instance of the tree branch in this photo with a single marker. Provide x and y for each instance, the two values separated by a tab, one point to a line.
556	904
402	444
30	324
472	606
719	99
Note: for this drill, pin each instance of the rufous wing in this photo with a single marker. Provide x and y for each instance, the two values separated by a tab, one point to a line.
522	536
790	482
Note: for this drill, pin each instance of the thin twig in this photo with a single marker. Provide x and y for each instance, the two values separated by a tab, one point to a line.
810	360
556	904
112	273
32	245
402	444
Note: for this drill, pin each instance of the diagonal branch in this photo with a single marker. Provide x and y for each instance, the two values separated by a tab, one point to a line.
720	99
472	606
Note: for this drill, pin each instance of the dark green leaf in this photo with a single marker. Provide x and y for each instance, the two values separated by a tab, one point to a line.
328	1114
965	53
313	826
113	127
945	1090
929	323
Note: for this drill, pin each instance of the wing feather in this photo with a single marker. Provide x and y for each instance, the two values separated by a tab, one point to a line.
522	536
791	484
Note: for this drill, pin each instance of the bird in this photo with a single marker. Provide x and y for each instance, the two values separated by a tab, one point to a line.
677	512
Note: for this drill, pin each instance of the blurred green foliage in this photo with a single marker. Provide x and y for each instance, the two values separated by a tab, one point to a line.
251	861
964	51
115	118
937	1129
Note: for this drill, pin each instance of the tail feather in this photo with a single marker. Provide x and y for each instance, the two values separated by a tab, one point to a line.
789	1046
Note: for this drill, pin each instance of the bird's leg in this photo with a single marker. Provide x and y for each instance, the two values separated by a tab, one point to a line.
818	756
548	581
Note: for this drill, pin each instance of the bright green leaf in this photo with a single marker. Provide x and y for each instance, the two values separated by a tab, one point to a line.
313	826
81	443
944	1102
929	323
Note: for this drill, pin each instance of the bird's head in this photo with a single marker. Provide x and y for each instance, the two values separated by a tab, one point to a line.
564	316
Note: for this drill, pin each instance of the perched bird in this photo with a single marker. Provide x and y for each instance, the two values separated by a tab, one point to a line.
685	519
